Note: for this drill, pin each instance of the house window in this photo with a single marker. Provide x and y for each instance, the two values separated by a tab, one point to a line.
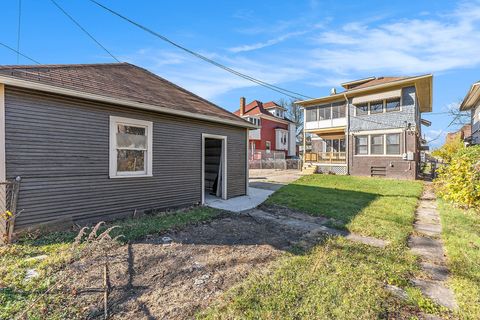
130	147
376	107
376	144
393	143
268	146
392	105
362	109
324	112
255	121
338	110
361	145
312	114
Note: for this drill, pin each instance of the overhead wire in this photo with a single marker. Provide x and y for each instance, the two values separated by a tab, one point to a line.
18	52
69	16
270	86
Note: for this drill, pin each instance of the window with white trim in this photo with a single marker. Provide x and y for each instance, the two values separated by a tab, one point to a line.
376	144
393	143
130	147
361	145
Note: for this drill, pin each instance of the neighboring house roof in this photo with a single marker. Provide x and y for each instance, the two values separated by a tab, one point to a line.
271	104
257	108
422	83
472	98
120	83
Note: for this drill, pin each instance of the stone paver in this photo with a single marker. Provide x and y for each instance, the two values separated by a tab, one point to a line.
428	246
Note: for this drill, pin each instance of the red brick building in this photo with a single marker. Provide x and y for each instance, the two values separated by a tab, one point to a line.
276	132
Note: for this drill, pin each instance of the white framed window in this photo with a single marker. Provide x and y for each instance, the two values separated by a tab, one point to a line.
131	147
268	146
361	145
392	143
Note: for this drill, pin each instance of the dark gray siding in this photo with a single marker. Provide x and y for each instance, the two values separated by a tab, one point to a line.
60	148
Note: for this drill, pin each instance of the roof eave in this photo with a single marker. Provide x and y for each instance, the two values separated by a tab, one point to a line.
133	104
354	92
472	98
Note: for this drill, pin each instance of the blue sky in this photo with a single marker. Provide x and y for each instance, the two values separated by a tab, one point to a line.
304	46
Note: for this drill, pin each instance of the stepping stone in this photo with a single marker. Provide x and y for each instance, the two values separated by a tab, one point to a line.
379	243
427	248
435	272
429	229
436	291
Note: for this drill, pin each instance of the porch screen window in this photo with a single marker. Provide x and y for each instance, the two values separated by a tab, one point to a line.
130	147
376	107
312	114
393	143
361	145
338	110
324	112
362	109
376	144
392	105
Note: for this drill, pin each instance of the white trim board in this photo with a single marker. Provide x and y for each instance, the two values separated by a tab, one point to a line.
224	161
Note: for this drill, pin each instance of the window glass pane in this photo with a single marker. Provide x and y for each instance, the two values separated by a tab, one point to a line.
312	114
393	143
122	128
324	112
361	145
328	145
377	144
362	109
130	160
336	145
342	145
131	141
393	104
376	107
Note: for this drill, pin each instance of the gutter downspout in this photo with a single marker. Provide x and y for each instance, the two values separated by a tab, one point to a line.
347	133
304	136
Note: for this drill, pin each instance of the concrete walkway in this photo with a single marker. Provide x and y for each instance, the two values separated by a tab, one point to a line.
428	246
255	197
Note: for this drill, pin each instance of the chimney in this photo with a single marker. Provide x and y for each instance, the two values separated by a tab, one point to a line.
333	91
242	106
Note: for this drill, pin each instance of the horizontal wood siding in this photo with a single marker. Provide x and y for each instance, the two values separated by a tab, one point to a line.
60	148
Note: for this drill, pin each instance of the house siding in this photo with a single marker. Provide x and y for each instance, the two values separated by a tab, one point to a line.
387	120
476	125
60	147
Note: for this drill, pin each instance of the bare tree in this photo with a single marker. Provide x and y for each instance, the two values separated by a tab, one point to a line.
295	114
459	118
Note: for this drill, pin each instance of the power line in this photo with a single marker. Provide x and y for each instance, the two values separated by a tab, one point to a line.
18	52
84	30
19	27
443	130
283	91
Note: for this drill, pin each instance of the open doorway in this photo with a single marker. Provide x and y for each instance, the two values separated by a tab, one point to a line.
214	169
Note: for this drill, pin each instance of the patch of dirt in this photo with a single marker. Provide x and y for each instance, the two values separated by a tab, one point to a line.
157	280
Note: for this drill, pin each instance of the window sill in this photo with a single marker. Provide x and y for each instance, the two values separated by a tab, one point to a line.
131	176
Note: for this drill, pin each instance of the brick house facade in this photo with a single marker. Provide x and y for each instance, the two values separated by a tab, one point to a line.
373	128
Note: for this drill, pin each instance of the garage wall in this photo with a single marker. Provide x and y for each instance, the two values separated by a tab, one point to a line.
60	148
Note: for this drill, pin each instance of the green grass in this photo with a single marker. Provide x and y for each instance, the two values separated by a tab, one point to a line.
338	279
16	293
380	208
461	237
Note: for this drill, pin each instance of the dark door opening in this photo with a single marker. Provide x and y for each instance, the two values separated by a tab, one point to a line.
213	169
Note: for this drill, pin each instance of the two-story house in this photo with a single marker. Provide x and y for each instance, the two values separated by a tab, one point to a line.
276	132
472	102
372	128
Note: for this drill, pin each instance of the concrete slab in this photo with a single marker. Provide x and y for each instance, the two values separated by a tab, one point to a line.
238	204
428	249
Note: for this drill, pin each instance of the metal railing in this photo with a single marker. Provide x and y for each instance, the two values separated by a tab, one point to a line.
326	157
